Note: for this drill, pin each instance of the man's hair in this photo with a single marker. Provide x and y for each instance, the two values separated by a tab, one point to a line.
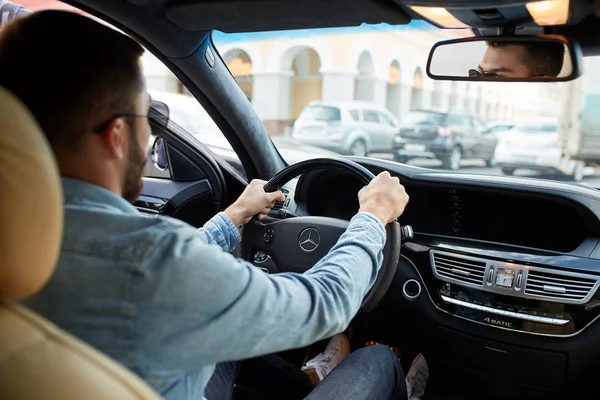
72	72
541	59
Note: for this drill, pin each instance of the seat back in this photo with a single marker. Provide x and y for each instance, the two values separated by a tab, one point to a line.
37	359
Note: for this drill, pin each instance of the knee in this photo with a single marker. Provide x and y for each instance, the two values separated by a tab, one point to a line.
380	351
380	357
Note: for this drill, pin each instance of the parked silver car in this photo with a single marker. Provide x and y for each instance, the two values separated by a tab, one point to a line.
356	128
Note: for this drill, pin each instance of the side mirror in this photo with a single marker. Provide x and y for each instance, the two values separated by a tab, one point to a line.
542	58
159	155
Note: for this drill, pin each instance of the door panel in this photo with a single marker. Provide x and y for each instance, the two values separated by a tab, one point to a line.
191	188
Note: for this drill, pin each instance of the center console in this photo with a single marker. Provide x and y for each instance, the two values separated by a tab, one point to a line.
513	295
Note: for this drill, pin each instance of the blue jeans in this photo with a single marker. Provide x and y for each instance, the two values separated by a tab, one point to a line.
371	373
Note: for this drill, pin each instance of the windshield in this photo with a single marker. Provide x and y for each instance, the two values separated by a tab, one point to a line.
415	118
387	107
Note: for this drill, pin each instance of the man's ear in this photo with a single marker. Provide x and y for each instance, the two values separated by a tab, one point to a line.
113	138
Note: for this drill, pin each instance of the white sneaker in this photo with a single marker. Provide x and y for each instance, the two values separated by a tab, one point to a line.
337	349
416	379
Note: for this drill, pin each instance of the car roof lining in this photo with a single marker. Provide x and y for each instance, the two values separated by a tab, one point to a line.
182	24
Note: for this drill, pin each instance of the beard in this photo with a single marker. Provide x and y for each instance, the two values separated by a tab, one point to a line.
134	171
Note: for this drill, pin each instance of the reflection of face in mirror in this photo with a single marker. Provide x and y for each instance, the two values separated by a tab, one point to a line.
520	60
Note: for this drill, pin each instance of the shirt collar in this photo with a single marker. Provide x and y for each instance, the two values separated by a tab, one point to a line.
78	192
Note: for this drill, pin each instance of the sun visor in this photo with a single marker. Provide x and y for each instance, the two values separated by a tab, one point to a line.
263	15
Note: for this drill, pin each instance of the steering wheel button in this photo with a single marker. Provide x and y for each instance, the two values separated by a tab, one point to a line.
268	236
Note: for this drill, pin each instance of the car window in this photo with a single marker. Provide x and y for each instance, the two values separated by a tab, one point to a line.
478	124
355	115
424	118
385	119
184	110
321	113
537	127
500	128
370	116
458	120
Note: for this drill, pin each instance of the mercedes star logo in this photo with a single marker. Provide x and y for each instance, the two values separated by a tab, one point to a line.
309	239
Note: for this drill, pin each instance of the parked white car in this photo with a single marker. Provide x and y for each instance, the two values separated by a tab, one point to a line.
534	145
186	112
354	127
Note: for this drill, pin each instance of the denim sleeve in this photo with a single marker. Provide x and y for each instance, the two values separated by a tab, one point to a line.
220	230
203	306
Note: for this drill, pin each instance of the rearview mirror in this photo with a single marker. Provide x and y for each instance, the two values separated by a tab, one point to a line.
543	58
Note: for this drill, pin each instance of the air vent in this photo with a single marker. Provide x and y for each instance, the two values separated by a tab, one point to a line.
558	286
460	269
278	205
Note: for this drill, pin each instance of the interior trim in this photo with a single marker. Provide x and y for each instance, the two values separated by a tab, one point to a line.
489	274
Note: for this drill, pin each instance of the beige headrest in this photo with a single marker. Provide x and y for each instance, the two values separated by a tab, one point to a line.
31	206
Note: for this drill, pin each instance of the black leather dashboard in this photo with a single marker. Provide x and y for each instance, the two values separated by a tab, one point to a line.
540	215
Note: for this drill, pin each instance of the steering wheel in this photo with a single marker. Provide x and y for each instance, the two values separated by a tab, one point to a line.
296	244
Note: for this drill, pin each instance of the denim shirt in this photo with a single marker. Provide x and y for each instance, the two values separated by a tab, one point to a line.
169	302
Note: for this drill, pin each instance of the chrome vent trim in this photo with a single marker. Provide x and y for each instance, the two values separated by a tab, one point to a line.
459	269
557	286
538	283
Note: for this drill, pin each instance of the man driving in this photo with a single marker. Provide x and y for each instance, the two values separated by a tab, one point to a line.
164	299
505	59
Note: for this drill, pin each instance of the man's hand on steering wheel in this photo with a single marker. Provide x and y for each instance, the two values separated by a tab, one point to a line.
384	197
253	201
297	243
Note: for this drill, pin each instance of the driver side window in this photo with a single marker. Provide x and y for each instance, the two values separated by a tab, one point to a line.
184	111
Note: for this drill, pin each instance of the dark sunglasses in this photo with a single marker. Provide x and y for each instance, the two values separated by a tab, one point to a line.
475	73
158	116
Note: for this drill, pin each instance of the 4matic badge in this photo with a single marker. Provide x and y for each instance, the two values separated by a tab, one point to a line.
498	322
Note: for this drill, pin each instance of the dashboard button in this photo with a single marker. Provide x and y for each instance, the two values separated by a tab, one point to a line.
260	257
455	201
456	213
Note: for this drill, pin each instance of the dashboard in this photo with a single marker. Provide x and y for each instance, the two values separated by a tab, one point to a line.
502	275
545	222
